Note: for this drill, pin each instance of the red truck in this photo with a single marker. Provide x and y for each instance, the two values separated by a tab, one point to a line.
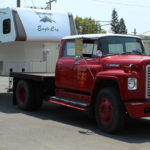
106	75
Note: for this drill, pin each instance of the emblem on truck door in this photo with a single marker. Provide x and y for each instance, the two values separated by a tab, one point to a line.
81	76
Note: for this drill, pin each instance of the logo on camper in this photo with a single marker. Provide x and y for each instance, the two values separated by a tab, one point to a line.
46	17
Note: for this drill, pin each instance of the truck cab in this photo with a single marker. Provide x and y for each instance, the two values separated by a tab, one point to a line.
103	56
110	67
106	75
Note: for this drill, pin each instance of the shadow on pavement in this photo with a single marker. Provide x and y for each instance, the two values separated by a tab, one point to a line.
136	130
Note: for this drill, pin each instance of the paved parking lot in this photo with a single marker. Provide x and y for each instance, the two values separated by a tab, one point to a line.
58	128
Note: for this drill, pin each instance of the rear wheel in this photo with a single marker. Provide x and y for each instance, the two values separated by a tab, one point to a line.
109	110
21	94
28	97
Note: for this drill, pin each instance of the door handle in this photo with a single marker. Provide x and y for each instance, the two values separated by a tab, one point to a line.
59	63
76	63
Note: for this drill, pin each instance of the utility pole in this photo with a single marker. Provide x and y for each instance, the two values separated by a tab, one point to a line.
49	4
134	32
99	25
18	3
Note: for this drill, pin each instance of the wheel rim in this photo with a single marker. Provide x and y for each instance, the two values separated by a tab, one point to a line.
21	94
105	111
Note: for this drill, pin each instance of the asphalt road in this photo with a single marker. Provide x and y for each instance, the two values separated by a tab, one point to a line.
55	127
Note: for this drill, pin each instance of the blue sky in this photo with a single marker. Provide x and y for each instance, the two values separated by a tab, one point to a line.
136	13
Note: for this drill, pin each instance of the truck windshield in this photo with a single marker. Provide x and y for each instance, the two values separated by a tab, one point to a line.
113	45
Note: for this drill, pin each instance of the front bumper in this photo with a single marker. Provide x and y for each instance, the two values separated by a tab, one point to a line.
138	109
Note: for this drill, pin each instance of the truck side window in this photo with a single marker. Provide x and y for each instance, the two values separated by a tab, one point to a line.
89	48
6	26
69	49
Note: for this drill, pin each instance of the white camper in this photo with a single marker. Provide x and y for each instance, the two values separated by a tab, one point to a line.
30	39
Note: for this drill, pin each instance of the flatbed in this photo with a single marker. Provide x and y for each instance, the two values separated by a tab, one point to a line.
36	76
41	83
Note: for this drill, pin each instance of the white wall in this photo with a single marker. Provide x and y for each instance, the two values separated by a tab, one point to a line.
28	55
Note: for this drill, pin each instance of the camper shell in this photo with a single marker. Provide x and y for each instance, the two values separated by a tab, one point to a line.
30	38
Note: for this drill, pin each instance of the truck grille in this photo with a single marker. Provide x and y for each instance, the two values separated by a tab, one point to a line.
148	82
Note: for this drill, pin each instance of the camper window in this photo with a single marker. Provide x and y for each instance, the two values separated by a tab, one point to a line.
6	26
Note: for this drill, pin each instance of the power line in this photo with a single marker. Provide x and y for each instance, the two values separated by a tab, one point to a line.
25	2
35	2
32	3
38	1
124	4
46	1
1	2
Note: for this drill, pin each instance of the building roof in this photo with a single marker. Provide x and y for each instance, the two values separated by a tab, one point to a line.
146	33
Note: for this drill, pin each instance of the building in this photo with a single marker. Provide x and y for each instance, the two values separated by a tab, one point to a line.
146	40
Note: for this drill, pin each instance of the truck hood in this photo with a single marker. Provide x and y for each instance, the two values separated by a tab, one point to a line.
126	59
119	61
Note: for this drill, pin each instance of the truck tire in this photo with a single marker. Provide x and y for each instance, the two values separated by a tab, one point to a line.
109	111
24	95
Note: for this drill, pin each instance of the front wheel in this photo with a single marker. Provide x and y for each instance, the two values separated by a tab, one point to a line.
109	110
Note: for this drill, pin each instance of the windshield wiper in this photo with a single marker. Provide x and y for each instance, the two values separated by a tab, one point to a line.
132	52
109	55
125	53
136	52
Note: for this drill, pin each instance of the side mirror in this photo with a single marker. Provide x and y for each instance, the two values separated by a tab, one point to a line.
78	58
99	53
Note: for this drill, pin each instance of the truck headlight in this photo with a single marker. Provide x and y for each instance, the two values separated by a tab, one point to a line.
132	83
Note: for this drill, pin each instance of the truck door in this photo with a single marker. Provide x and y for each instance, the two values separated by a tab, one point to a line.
86	69
77	75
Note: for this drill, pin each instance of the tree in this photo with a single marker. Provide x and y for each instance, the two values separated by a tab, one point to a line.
116	26
87	26
114	22
123	29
